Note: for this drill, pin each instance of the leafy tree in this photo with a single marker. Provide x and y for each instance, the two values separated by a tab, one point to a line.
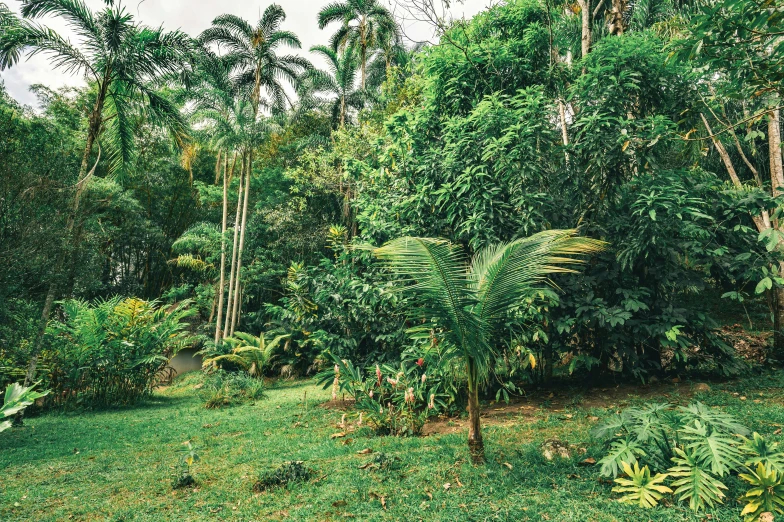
122	58
466	304
366	24
338	83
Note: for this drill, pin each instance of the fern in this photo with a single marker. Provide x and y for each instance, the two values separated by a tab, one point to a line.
695	483
621	451
760	451
640	487
766	494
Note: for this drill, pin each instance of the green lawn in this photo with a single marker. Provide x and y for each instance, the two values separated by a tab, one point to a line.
119	465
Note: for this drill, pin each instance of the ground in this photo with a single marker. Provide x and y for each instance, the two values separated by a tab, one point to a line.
119	465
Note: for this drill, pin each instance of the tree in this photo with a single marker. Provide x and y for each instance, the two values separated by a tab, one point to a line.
338	83
466	303
252	53
122	59
366	25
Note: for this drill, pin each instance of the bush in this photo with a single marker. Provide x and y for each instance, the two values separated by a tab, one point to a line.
222	388
393	400
112	352
693	448
289	472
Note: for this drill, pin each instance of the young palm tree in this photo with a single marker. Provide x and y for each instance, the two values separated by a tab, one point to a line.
122	59
252	53
333	89
469	301
366	25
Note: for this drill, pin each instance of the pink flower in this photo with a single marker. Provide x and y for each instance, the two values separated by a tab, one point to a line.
432	403
424	378
378	375
410	395
371	394
420	362
392	381
337	370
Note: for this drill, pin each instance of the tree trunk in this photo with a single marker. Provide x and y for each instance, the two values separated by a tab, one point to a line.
777	183
235	311
229	298
585	13
476	446
222	283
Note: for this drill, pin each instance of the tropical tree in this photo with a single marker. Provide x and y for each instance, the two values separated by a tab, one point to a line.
338	84
467	302
252	53
122	59
366	25
253	354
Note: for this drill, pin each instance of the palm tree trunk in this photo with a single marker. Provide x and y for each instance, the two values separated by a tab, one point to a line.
476	446
235	311
223	247
229	299
585	13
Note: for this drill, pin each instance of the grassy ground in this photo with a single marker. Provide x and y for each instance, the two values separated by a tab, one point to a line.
119	465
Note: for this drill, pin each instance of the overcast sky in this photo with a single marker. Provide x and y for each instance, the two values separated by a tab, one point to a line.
193	16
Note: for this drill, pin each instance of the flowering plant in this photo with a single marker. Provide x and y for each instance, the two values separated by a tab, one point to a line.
392	400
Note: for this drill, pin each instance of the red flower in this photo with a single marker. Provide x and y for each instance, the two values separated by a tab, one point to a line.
420	362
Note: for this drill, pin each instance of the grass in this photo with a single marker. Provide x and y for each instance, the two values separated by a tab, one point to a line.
119	465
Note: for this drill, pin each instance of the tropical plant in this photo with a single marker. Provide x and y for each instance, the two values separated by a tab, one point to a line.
223	389
766	494
188	458
255	355
115	351
16	399
366	25
640	487
337	84
465	304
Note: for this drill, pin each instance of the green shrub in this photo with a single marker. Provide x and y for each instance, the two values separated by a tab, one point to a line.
222	388
393	400
112	352
16	399
694	447
288	473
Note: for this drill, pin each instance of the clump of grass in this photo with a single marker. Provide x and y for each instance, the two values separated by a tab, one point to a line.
288	473
222	389
381	461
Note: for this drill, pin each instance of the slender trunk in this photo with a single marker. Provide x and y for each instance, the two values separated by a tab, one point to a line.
217	167
342	111
585	13
235	311
222	283
230	297
564	130
777	184
363	46
476	446
778	322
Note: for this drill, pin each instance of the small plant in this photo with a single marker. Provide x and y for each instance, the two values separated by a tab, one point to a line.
255	355
222	389
189	457
640	487
393	400
766	494
16	399
380	461
288	473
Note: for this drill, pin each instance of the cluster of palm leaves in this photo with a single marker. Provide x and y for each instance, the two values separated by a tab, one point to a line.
113	351
693	448
246	352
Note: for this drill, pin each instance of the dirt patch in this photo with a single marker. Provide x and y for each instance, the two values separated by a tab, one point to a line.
752	347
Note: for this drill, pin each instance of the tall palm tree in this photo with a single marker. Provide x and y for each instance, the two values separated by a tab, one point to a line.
366	24
252	53
334	89
469	301
122	59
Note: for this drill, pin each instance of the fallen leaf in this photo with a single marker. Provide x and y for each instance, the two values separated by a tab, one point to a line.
460	484
337	435
593	419
777	432
365	451
339	503
508	465
366	466
347	442
447	486
590	461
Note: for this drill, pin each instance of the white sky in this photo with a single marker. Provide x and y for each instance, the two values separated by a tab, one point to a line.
193	16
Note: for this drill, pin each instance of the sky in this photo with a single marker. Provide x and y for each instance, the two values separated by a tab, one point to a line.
192	17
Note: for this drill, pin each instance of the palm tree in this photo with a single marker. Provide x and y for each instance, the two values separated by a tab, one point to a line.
337	84
122	59
252	53
469	301
366	25
252	354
